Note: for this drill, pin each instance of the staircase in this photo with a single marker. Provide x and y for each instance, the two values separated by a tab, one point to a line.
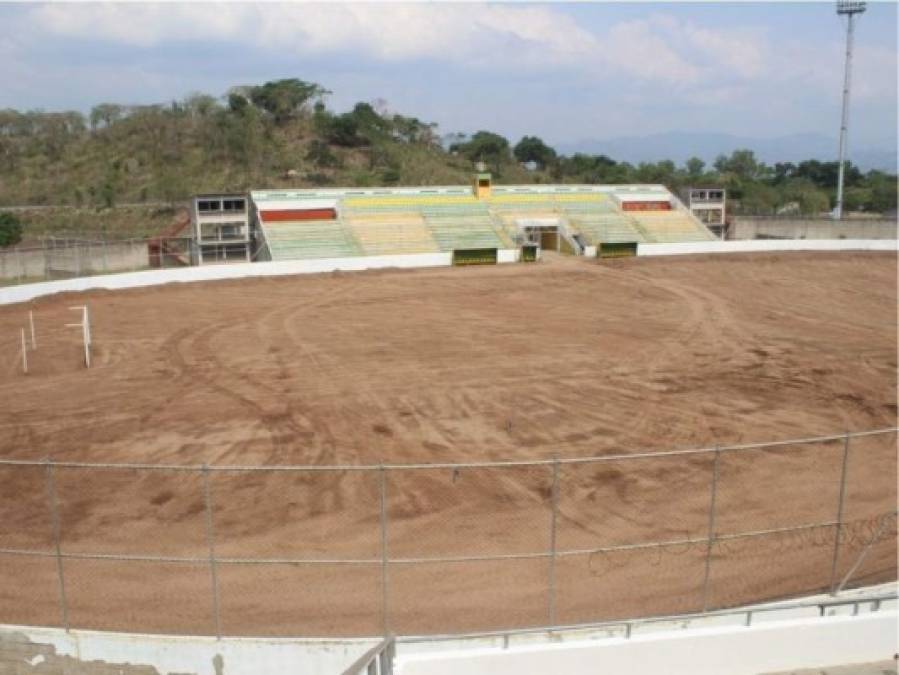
160	246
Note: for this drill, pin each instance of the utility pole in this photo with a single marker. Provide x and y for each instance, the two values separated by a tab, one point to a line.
849	8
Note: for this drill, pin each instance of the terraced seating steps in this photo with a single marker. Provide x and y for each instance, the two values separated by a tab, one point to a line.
468	233
385	236
612	229
671	226
310	239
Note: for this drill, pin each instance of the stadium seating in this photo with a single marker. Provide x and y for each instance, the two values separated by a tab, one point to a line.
392	233
610	227
670	226
414	203
407	221
298	240
452	232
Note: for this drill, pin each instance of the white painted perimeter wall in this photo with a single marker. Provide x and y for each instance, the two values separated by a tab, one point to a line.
761	245
197	655
25	292
733	650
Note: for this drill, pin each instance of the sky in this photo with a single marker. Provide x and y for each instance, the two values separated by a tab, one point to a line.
564	72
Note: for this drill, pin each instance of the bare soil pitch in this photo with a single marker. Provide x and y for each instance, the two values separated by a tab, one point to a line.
569	358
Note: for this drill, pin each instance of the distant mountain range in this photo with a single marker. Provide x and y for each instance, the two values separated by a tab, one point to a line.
679	146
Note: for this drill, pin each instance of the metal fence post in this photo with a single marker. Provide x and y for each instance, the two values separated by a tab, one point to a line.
553	525
385	590
54	516
864	554
839	525
210	541
711	534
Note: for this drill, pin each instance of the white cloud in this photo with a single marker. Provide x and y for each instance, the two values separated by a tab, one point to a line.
454	32
139	25
660	49
642	69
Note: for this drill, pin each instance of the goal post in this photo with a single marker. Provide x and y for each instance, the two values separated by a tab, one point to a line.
24	354
85	327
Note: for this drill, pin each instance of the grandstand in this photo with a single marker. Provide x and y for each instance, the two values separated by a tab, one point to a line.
471	224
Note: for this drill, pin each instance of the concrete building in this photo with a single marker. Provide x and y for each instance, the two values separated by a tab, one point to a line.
220	224
709	205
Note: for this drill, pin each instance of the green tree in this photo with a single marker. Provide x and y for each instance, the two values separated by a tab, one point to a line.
344	130
783	171
237	103
824	174
10	229
368	122
413	130
812	200
663	172
741	163
484	146
760	199
533	149
694	167
106	114
200	105
284	99
883	191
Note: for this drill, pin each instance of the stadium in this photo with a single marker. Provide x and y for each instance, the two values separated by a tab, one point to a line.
597	431
478	224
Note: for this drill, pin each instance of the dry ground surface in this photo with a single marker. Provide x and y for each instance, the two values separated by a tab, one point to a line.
569	358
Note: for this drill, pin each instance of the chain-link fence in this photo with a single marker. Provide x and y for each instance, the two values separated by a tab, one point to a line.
442	548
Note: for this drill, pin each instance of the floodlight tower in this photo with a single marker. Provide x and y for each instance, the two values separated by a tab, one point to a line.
850	8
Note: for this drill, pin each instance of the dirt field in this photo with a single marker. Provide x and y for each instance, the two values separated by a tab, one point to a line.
568	358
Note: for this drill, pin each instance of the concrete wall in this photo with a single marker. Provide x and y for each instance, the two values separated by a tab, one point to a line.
735	650
762	245
53	650
73	260
16	263
25	292
508	255
745	227
226	271
759	245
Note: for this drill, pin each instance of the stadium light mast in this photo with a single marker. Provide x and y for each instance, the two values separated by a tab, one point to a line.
850	8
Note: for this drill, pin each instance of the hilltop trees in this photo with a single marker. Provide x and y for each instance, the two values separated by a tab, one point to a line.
105	114
282	133
484	146
284	99
533	149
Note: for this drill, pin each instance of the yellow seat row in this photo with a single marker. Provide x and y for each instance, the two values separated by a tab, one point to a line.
387	237
408	200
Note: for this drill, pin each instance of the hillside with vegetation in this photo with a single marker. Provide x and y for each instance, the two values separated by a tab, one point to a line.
282	134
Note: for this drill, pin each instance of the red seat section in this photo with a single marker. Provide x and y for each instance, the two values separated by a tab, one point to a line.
277	215
646	206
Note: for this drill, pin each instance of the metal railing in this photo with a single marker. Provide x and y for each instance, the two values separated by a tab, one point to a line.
376	661
628	627
443	547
